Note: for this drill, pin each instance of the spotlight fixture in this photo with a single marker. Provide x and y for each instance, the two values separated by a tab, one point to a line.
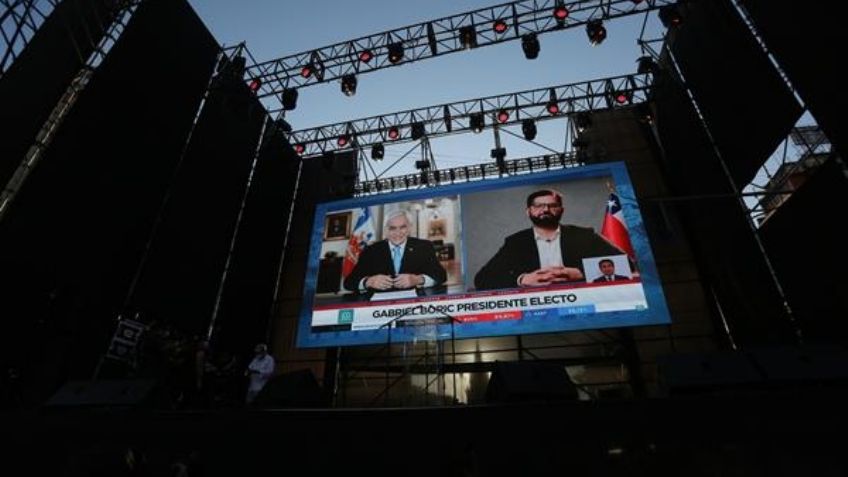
552	107
349	85
582	121
343	140
477	122
646	64
417	131
393	133
528	129
289	99
503	116
395	52
299	149
255	84
468	37
378	151
621	97
596	32
307	70
530	45
499	27
498	155
366	56
560	13
670	16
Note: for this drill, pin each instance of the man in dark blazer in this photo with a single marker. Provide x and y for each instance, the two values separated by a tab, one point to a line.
396	262
607	268
546	253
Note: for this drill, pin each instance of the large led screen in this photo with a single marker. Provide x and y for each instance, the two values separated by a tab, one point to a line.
536	253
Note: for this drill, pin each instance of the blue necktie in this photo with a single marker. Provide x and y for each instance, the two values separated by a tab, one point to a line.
396	259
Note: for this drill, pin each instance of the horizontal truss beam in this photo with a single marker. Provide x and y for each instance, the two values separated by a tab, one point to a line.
435	38
431	178
453	118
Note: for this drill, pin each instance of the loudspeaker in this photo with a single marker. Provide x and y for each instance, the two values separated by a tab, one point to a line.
707	372
295	389
529	381
113	393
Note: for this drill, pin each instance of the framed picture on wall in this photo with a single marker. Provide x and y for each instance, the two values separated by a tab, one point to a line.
337	226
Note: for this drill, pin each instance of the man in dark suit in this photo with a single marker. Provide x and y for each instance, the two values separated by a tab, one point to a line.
396	262
546	253
607	268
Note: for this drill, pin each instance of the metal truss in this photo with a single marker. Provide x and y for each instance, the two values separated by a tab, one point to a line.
527	165
124	11
19	21
452	118
434	38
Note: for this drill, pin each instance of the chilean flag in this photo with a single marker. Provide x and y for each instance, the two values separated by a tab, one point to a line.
363	234
614	228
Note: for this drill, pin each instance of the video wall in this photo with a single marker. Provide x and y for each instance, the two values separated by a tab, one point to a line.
538	253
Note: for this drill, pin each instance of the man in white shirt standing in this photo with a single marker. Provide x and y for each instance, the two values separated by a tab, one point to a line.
260	370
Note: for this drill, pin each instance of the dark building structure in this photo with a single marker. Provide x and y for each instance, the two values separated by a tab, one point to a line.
183	207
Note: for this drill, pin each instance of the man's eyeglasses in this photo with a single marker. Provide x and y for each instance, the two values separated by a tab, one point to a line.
553	206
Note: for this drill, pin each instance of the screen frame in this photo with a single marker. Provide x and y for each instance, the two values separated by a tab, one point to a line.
655	314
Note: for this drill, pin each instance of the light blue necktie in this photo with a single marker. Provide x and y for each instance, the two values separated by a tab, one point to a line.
396	259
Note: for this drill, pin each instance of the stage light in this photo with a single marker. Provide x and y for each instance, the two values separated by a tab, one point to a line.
582	121
670	16
552	107
503	116
646	64
621	97
343	140
255	84
528	128
499	26
393	133
299	148
395	52
596	32
366	56
468	37
498	155
417	131
477	122
560	13
307	70
530	45
378	151
289	99
422	165
349	85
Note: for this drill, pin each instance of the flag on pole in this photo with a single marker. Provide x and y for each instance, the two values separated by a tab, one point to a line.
614	228
363	234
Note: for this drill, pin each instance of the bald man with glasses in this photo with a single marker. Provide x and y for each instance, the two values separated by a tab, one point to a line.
546	253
